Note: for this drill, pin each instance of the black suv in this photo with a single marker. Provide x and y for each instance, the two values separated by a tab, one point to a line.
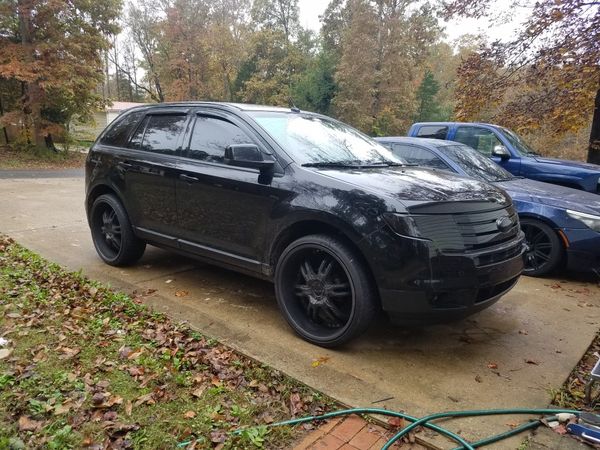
338	223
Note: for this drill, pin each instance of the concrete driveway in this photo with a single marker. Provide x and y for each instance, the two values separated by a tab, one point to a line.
511	355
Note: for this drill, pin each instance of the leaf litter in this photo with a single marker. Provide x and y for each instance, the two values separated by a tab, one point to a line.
83	366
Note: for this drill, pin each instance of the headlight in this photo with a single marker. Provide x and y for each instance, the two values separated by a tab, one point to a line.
402	224
589	220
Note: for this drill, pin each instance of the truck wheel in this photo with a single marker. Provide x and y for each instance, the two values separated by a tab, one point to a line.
324	291
112	233
545	250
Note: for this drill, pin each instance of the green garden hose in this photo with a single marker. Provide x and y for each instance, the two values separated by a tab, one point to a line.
425	422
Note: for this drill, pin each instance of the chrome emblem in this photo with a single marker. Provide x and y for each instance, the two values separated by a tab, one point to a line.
504	224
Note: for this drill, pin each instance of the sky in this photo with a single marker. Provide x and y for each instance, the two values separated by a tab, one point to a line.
502	27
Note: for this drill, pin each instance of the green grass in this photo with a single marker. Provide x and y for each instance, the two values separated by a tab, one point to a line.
89	365
42	159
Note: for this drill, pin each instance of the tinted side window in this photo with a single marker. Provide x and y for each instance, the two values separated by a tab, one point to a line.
121	129
138	134
433	131
211	136
480	139
419	156
162	133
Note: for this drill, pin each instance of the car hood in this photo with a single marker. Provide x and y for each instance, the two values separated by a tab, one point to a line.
587	167
412	185
554	195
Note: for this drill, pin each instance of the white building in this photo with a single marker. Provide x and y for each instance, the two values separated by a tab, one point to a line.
90	131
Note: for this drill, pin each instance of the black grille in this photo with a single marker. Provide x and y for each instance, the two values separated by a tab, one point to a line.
467	231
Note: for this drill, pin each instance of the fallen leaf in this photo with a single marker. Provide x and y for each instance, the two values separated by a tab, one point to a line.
217	437
397	422
198	392
63	408
189	415
168	281
27	424
478	379
5	353
523	332
492	365
532	361
320	360
13	315
110	416
128	407
181	293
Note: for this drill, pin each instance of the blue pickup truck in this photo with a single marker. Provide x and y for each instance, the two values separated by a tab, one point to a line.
507	149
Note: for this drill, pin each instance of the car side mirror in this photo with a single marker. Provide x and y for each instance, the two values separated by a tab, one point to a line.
250	156
501	152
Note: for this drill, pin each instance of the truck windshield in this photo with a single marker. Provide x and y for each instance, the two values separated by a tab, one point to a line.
475	164
517	142
313	140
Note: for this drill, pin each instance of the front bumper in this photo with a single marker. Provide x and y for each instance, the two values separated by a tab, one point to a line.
583	252
455	285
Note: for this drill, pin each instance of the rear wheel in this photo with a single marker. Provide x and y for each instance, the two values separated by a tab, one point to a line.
545	250
112	233
324	290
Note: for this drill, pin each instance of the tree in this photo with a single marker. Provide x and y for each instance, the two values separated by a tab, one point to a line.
279	53
382	50
429	109
54	51
549	72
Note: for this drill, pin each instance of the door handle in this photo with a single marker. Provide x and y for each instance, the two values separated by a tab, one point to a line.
188	178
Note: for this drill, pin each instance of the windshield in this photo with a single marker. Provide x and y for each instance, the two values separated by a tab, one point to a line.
517	142
475	164
317	140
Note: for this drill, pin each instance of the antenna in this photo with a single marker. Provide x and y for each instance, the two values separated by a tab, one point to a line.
293	106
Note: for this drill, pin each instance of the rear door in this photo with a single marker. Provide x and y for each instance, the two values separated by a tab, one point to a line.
222	209
150	172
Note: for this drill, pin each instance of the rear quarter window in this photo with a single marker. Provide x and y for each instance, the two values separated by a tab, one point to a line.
433	131
119	131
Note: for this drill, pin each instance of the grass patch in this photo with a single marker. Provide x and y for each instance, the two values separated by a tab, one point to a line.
40	159
86	366
572	393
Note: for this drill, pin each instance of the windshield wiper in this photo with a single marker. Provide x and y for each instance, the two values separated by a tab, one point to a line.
332	164
356	164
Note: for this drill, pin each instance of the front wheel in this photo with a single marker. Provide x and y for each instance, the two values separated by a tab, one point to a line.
544	248
324	291
112	233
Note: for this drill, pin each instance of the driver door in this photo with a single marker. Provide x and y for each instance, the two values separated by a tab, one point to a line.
222	209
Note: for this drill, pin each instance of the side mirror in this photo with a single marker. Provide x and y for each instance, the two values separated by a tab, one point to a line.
501	152
250	156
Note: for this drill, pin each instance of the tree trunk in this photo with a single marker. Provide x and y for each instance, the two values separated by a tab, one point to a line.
33	94
594	148
3	128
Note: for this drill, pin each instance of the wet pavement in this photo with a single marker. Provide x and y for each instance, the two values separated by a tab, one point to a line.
511	355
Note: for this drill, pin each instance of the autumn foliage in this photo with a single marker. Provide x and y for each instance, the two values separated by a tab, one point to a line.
50	61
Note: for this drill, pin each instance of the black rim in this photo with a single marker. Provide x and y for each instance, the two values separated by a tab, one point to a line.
318	292
107	231
539	247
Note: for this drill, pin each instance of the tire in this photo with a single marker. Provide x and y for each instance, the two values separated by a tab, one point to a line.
545	249
324	290
112	233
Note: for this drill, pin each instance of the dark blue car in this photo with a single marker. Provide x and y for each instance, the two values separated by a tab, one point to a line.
561	225
508	150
